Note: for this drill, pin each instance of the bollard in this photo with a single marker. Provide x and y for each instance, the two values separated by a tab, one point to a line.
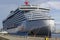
46	38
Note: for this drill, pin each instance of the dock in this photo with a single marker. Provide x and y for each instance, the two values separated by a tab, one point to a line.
14	37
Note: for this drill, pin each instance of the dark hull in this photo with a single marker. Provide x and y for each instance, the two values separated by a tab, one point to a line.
44	31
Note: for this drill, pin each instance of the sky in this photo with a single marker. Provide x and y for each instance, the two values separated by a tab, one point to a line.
7	5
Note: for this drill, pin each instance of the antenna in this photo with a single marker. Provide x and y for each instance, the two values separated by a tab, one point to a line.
26	2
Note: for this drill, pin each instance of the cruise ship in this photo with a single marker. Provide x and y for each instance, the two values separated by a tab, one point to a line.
29	20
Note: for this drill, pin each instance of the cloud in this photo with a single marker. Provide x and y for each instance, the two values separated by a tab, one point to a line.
51	4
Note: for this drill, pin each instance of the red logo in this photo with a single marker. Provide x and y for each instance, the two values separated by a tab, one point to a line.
26	2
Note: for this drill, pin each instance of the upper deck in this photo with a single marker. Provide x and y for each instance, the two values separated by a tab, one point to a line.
26	8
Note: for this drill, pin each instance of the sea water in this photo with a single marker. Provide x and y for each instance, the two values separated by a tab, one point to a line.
56	35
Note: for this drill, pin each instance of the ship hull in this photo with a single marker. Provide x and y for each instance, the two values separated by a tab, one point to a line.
35	27
42	32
